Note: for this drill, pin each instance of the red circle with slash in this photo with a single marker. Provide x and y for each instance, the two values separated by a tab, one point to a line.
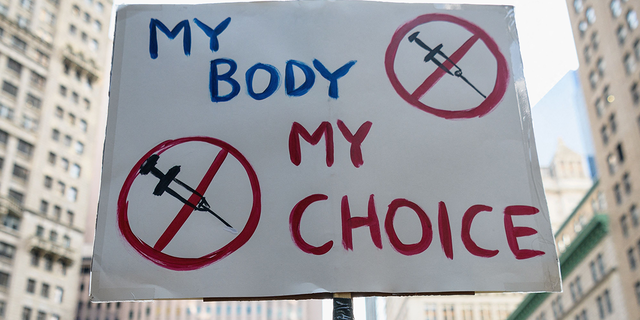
178	263
413	98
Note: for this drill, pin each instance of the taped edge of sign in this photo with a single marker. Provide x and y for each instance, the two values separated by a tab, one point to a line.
529	144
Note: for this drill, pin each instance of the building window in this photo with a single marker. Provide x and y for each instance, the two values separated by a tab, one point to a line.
31	286
52	158
35	258
4	137
57	211
33	101
591	15
11	221
600	307
72	195
626	182
58	295
612	161
66	241
61	187
29	122
48	262
20	173
14	66
587	53
583	26
593	79
556	306
26	313
616	8
629	64
18	43
574	293
621	32
27	4
44	292
93	45
604	133
624	225
59	113
632	258
41	315
607	300
447	311
600	263
74	172
578	5
39	231
55	135
582	315
97	25
10	88
63	265
594	270
37	80
635	95
632	19
70	217
16	196
79	147
6	112
620	153
612	123
25	148
42	58
617	194
635	218
53	236
67	140
44	207
48	17
601	65
48	182
7	250
4	280
65	164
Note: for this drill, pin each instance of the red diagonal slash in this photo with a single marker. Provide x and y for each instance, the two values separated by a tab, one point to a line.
439	73
186	210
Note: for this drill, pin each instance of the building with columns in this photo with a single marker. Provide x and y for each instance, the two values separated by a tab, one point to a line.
53	59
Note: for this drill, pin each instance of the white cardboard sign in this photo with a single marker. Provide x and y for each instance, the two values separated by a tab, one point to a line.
280	149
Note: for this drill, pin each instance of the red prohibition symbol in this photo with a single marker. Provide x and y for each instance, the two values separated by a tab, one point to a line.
154	253
413	98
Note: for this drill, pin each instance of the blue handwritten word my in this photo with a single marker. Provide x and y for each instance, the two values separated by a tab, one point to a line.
156	24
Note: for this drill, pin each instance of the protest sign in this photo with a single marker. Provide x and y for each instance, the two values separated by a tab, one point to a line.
283	149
